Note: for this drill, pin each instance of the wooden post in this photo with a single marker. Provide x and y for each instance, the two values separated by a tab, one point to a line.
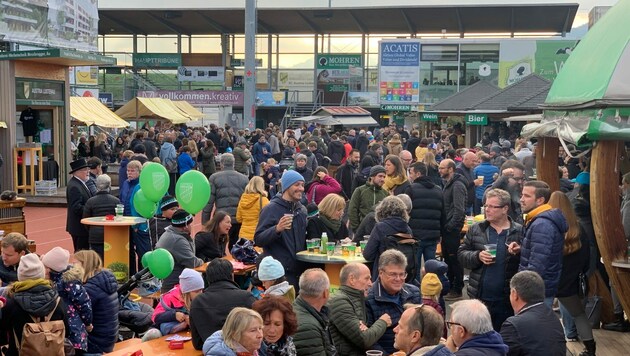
547	162
606	216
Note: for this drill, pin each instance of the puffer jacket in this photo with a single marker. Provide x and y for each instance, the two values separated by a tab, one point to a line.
377	244
103	203
427	213
363	201
468	255
102	289
37	301
126	193
336	152
172	299
541	250
216	346
455	198
347	310
394	147
321	188
313	334
208	162
378	303
78	304
488	344
306	172
247	212
240	159
285	245
226	188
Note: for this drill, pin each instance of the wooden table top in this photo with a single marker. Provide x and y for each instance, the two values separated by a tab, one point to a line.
306	256
238	272
122	221
157	347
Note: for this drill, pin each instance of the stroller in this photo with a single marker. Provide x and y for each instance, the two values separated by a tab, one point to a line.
135	317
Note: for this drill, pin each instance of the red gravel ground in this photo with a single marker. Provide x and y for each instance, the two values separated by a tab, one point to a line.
47	226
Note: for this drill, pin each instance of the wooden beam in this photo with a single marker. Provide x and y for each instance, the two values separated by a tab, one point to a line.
606	216
547	162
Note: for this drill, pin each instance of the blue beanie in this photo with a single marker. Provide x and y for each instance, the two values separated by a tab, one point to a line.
289	178
270	269
435	266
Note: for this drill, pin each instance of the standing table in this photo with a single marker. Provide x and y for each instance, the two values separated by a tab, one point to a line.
332	264
116	238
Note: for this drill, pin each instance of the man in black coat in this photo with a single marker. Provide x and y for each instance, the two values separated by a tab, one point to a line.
77	194
210	309
427	213
336	153
103	203
347	172
534	329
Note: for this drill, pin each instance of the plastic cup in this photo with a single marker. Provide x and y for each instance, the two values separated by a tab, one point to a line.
373	353
309	245
290	216
352	250
491	249
363	244
330	248
316	245
345	250
470	220
481	178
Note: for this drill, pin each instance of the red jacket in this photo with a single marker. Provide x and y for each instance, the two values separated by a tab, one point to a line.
328	185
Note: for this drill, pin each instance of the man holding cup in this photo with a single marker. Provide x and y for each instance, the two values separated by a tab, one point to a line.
485	252
281	229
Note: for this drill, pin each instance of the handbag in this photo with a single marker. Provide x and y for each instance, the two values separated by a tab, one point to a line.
243	251
583	285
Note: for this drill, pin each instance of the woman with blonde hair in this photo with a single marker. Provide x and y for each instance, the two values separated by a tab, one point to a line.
329	219
194	150
395	145
432	169
252	201
242	335
574	266
103	150
396	180
100	284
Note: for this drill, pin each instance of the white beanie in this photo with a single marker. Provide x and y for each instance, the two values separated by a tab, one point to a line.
270	269
190	280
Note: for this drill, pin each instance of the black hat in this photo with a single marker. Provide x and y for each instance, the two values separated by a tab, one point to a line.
167	202
78	164
181	218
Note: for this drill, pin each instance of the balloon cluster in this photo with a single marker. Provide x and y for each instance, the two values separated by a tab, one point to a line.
192	190
160	262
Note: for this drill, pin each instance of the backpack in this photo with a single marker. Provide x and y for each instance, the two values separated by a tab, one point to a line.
43	337
409	247
361	178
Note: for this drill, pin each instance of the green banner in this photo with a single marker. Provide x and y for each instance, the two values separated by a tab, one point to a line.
393	107
87	58
336	88
338	61
429	116
476	119
157	60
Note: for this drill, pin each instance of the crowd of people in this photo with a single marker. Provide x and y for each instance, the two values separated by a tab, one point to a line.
400	193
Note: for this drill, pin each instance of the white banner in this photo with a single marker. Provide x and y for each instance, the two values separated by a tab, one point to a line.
399	72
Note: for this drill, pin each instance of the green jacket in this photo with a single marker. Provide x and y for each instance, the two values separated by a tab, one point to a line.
313	334
240	158
363	201
347	309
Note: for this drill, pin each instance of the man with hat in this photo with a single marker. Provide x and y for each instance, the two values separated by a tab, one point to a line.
158	224
365	197
77	194
176	240
281	229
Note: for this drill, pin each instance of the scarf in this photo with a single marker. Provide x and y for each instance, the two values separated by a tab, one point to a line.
28	284
532	214
334	225
392	182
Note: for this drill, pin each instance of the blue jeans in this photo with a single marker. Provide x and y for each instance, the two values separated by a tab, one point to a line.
427	249
570	331
549	302
139	245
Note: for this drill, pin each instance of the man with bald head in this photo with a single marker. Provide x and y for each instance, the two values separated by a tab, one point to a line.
455	198
406	158
466	169
348	324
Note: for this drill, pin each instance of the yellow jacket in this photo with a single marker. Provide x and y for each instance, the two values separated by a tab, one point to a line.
247	213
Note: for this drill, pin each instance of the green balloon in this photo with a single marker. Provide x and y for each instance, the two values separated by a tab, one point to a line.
145	207
161	263
154	181
146	259
192	191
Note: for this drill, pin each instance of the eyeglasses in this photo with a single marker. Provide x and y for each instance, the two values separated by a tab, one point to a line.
451	323
394	275
494	206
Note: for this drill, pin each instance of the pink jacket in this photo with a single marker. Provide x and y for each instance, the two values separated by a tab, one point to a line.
172	298
328	185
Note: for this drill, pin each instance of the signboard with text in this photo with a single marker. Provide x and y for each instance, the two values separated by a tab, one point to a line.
394	107
399	72
197	97
429	116
338	69
107	99
157	60
476	119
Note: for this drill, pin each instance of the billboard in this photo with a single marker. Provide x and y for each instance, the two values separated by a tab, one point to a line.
214	75
197	97
54	23
362	98
157	60
520	58
334	68
271	98
399	72
85	75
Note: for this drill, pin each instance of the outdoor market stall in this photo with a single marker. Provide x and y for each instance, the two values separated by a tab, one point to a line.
91	111
138	108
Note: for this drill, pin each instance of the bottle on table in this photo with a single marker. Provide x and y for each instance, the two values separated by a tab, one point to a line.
324	243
